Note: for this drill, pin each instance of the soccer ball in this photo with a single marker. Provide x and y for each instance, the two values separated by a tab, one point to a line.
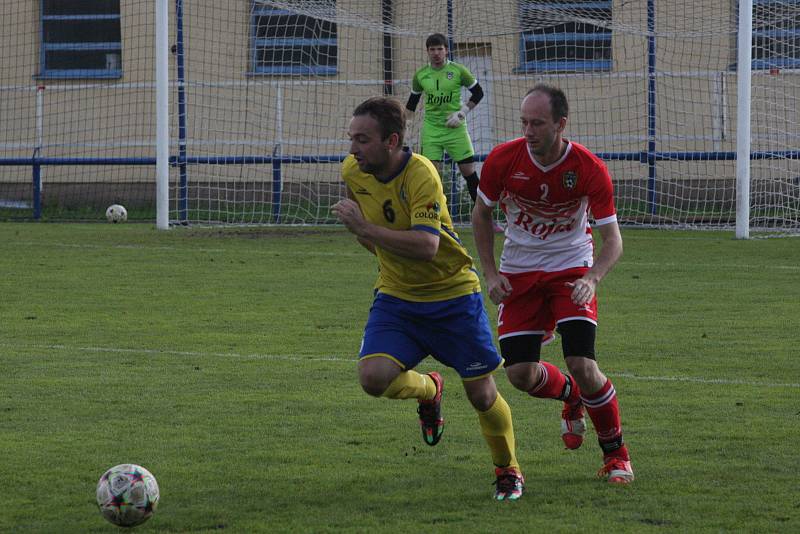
127	495
116	213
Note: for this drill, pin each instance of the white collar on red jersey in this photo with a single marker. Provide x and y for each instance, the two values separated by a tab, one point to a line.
552	165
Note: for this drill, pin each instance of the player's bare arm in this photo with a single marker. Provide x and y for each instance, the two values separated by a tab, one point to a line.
611	249
497	285
366	244
363	242
415	244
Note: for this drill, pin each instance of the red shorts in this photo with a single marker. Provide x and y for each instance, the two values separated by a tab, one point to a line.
539	300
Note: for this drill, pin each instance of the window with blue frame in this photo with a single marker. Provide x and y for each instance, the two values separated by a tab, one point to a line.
551	43
288	43
776	34
80	39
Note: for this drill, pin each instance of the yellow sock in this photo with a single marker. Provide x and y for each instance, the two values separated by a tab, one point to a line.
498	430
411	385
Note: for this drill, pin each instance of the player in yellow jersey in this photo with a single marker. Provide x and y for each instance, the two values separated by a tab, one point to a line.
427	296
444	127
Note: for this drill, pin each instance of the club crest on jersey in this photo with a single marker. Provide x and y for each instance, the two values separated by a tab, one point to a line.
432	210
433	206
569	180
449	75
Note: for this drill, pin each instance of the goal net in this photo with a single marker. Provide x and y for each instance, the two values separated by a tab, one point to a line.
77	113
261	93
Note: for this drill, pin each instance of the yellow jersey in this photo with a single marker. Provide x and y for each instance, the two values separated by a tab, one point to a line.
413	199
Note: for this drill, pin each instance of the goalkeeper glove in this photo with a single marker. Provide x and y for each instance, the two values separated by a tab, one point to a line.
456	118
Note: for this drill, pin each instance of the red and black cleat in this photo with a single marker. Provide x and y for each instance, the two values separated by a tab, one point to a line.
430	413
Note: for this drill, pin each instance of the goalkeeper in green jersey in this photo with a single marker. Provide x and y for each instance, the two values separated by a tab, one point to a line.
444	128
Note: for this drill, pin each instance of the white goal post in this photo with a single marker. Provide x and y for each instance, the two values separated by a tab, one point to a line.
199	112
162	114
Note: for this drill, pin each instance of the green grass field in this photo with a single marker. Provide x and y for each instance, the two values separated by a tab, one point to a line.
224	362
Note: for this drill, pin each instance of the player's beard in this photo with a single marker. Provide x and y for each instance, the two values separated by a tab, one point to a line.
366	167
542	146
370	167
377	162
535	147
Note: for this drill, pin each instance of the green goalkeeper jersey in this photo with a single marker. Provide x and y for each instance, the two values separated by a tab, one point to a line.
442	88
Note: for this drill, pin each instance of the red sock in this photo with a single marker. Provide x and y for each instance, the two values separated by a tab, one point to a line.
555	385
604	412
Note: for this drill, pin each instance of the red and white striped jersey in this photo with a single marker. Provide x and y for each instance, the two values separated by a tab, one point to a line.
547	208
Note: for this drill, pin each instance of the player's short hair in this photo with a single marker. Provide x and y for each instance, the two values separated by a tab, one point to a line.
436	39
558	100
388	112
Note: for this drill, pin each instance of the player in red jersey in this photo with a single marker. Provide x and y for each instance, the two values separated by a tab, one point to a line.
548	275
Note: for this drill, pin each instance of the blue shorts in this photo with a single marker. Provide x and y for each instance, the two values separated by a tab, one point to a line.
456	332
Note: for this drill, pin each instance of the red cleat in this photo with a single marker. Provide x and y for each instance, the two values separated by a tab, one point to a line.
617	470
510	484
573	425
